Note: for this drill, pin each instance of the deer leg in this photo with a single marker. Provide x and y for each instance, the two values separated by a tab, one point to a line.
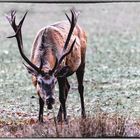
41	106
80	75
63	92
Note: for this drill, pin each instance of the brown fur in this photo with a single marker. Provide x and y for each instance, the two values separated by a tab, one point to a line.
55	37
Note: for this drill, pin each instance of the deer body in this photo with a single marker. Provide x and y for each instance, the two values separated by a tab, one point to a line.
58	51
55	37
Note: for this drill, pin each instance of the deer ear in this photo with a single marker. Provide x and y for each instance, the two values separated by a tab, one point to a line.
62	72
30	70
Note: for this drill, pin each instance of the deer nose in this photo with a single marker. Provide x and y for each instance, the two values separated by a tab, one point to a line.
50	100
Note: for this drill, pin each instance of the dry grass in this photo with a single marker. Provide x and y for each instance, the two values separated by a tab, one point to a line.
100	125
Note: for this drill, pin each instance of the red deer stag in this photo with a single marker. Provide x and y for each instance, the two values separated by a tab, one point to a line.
57	52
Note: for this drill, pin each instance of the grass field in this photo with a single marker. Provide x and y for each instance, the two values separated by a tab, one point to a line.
112	75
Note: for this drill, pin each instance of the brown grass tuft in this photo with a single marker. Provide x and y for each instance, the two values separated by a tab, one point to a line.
99	125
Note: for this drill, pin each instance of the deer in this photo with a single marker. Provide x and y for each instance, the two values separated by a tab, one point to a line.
58	51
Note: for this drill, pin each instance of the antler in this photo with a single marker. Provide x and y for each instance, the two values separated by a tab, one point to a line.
73	22
18	36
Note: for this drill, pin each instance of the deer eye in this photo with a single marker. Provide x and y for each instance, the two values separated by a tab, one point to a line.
39	82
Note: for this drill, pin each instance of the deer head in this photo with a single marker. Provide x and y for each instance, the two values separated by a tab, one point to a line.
45	80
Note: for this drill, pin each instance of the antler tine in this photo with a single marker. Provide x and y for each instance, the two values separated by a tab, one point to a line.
22	20
68	18
18	35
11	19
73	23
67	53
16	28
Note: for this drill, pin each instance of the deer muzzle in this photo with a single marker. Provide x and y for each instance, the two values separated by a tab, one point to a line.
50	101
